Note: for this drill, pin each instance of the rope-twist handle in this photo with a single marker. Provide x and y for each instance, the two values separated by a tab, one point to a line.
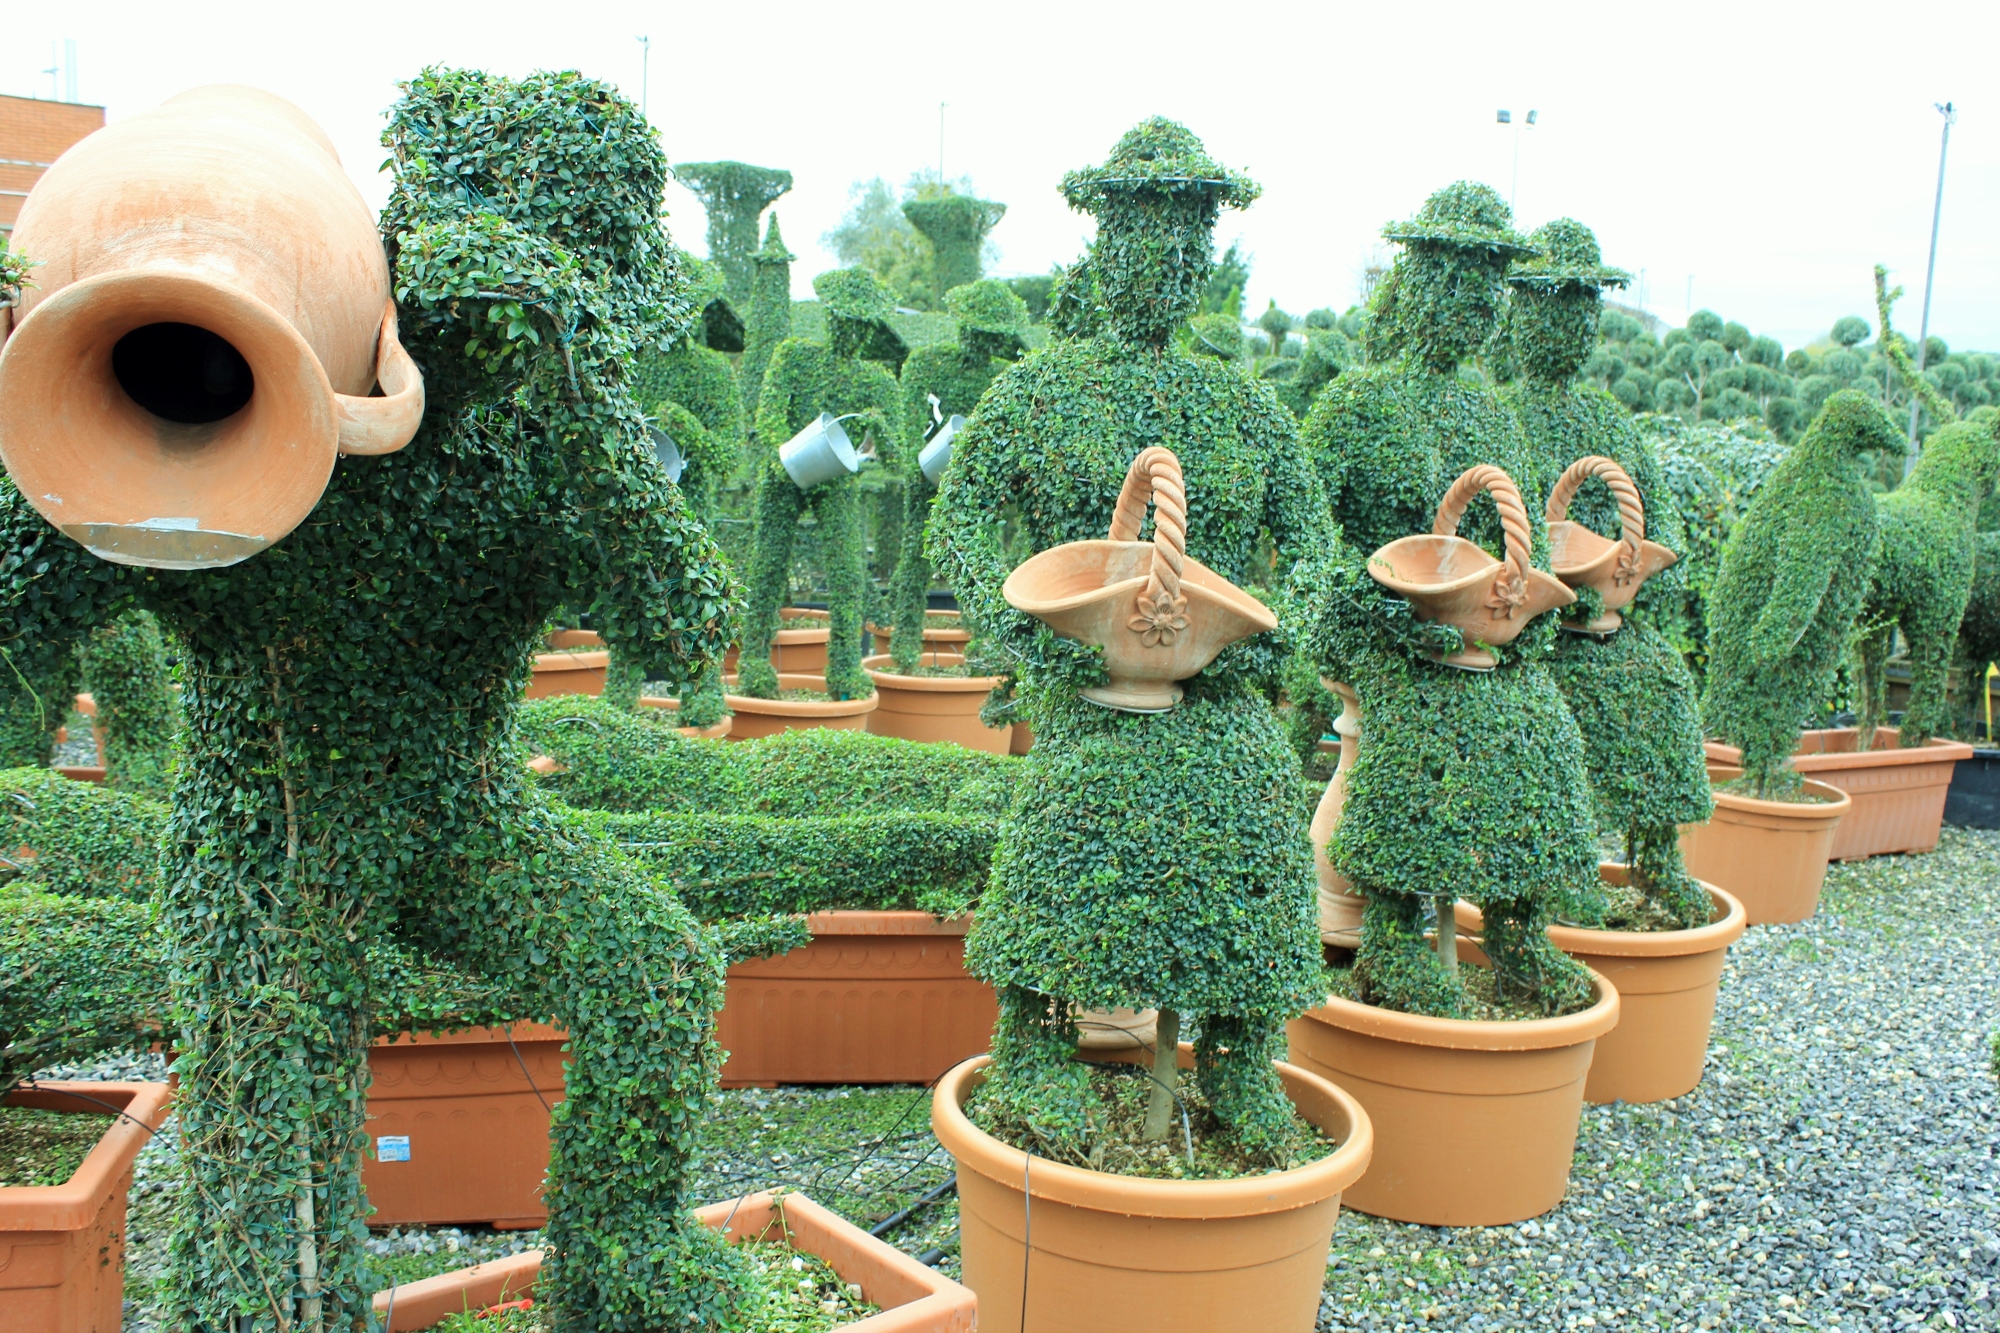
1506	496
1155	478
1631	512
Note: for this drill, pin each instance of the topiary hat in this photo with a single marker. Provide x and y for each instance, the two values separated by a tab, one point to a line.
853	293
1567	256
1159	155
1464	215
988	306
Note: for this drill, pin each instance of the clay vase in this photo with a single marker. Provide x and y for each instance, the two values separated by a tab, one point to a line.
209	316
1340	907
1159	615
1582	559
1771	854
1448	579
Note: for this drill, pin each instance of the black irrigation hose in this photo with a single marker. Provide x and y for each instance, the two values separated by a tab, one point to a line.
895	1219
509	1030
30	1085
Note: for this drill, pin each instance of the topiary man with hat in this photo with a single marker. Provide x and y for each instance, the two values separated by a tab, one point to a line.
803	380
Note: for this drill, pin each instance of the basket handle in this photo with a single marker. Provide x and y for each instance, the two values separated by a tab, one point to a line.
1506	496
1631	513
1155	478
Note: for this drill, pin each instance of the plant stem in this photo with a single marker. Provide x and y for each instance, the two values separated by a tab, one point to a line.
1447	934
1166	1069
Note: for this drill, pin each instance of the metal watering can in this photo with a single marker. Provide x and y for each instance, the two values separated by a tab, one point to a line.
936	456
820	453
668	453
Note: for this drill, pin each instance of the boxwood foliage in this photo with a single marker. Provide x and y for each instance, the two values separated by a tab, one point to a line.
803	380
1922	575
1979	636
84	838
735	195
1148	860
770	312
1792	581
349	776
1468	785
125	670
38	679
1630	692
78	976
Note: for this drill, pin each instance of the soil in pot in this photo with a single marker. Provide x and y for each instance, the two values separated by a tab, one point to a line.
938	700
1771	855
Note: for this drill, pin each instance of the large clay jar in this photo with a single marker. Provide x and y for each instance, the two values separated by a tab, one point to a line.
1475	1122
1092	1252
1667	982
208	317
1771	854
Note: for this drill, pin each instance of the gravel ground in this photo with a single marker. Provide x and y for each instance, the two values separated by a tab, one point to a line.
1835	1170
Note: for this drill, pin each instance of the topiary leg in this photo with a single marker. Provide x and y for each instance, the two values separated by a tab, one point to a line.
1395	966
1871	683
1928	713
838	505
703	705
1658	872
1516	938
1035	1085
1233	1066
125	669
622	680
912	581
779	503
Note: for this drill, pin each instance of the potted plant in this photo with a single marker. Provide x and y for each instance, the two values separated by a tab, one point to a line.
1783	607
1154	855
1467	781
936	697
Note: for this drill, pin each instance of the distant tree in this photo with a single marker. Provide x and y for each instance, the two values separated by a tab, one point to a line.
1222	294
1849	330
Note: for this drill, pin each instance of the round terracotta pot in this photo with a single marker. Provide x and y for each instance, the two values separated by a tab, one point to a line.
575	638
209	314
938	638
1116	1254
568	673
1475	1122
934	708
1771	855
1667	982
1022	739
801	651
768	717
714	733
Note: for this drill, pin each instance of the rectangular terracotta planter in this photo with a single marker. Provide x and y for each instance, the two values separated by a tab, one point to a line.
1898	794
914	1299
568	673
475	1134
877	997
62	1247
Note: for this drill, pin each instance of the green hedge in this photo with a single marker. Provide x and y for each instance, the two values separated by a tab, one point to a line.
86	839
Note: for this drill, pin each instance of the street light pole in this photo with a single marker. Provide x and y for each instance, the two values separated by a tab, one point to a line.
1950	114
645	76
1506	117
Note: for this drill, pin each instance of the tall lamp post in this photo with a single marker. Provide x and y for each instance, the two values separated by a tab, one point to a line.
1506	117
1950	114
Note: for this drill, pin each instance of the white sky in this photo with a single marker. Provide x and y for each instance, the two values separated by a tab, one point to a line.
1773	152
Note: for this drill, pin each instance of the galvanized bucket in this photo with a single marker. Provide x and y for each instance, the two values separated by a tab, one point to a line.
936	456
668	453
820	453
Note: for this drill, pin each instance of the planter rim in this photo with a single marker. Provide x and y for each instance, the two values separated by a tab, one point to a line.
1471	1034
881	669
1134	1196
1937	750
862	922
584	661
74	1204
743	703
1826	809
1726	925
714	733
522	1031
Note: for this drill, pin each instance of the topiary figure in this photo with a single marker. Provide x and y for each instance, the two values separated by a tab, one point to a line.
1629	690
1922	575
1979	635
941	381
770	313
956	225
735	195
1219	336
125	670
1326	353
1469	784
1148	860
349	777
806	378
1792	581
39	677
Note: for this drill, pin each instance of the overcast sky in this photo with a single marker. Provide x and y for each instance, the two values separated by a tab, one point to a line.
1771	152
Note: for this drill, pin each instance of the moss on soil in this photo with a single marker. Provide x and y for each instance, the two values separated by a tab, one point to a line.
46	1147
1482	1005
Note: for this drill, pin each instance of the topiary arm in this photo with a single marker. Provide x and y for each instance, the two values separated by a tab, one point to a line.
1927	393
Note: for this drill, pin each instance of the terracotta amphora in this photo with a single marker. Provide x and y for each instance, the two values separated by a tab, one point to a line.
1451	580
1616	570
1160	615
208	318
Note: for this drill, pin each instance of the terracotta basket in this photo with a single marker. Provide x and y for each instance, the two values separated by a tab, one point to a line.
568	673
877	997
1117	1254
475	1121
768	717
1898	794
1159	615
934	708
62	1247
1615	570
1667	982
1475	1123
914	1299
1771	855
1448	579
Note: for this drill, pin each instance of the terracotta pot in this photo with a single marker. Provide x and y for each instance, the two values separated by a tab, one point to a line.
802	652
86	704
914	1299
1022	739
1160	615
220	220
1116	1029
1898	794
1771	855
1616	570
1112	1254
768	717
568	673
714	733
938	638
934	708
475	1119
877	997
62	1247
1446	578
1666	981
576	638
1475	1123
82	772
